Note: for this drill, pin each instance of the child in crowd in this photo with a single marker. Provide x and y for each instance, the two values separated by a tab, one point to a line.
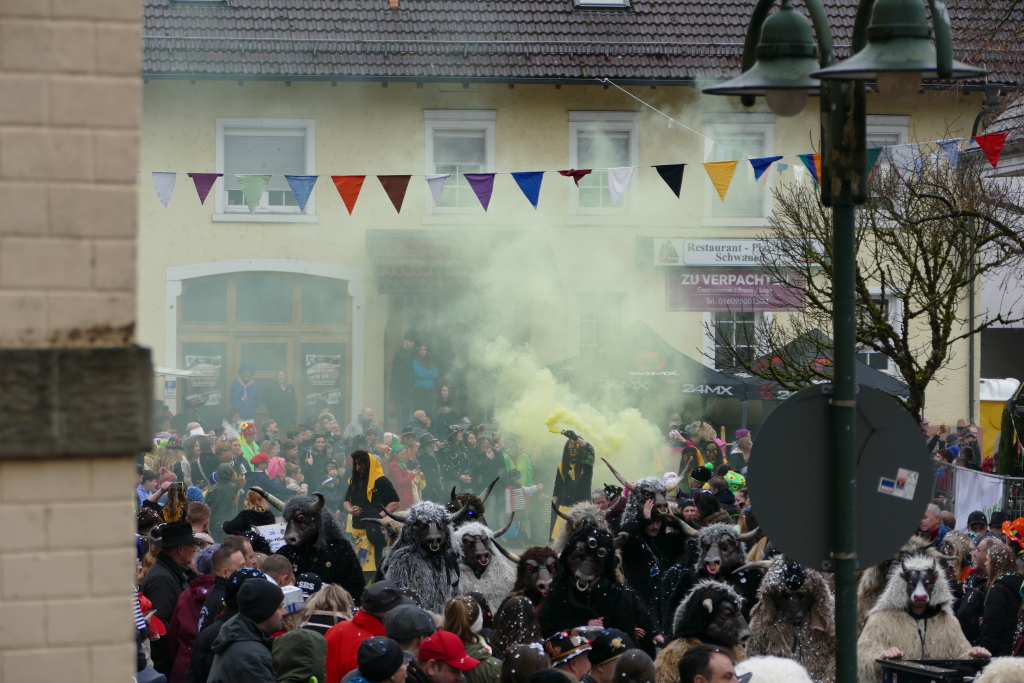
517	499
293	479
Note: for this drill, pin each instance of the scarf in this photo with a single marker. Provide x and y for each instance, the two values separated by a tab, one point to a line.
374	472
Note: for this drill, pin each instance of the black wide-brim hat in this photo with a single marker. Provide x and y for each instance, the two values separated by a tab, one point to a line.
174	534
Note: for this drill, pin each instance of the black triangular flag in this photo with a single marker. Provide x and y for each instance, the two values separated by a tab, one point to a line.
672	174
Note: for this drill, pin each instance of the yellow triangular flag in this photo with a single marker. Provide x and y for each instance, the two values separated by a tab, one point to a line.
721	173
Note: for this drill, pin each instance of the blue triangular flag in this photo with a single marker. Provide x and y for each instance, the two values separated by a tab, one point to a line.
761	165
782	167
529	183
302	187
951	148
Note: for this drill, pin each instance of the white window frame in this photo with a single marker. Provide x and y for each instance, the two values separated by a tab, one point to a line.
761	323
575	310
895	316
719	124
601	4
604	122
889	124
264	213
456	119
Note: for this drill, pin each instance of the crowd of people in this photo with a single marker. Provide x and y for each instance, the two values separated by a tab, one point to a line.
441	552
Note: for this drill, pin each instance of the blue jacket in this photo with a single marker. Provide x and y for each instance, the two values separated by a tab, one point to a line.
424	377
254	397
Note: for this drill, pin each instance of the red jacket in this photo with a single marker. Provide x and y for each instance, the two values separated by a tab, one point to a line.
402	479
181	632
343	640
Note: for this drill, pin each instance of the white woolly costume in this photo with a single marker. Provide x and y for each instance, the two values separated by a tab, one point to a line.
890	623
497	580
1002	670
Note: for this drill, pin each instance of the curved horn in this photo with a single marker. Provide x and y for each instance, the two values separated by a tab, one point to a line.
458	514
392	515
620	540
508	525
318	505
686	528
750	535
273	500
487	491
672	489
454	500
512	557
373	520
622	480
560	513
761	564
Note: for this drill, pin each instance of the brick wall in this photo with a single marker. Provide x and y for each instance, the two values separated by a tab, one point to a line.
69	117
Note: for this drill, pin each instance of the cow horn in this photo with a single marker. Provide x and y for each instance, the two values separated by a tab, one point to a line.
458	514
684	527
560	513
273	500
454	500
372	520
508	525
487	491
512	557
620	540
750	535
672	489
318	504
392	515
618	476
762	564
708	605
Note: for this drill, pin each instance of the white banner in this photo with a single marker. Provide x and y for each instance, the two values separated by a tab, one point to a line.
976	491
273	533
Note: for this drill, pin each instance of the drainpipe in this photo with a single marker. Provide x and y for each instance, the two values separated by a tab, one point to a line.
991	100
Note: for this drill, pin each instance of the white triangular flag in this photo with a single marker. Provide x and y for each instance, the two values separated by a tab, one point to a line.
904	158
436	183
798	173
618	181
163	183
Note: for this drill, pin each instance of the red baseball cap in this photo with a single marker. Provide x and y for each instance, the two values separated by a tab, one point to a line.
259	457
445	646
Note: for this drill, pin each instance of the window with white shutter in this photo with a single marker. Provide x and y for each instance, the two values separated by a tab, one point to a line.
275	147
458	141
600	140
739	137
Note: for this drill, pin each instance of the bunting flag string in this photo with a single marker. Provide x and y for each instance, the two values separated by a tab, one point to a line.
436	181
672	174
618	181
395	187
204	183
798	174
253	187
761	165
721	173
483	186
902	157
992	145
576	174
163	183
529	182
813	164
349	187
872	158
302	187
951	148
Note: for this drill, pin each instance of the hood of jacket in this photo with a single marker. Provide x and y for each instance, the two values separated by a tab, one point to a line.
785	577
300	655
894	597
239	628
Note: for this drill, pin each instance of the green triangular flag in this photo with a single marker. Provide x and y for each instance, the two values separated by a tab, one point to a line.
252	189
872	156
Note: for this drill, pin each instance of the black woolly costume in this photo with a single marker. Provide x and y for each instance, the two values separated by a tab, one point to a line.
573	479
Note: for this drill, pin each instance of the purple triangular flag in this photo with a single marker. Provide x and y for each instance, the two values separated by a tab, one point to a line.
762	165
483	186
204	183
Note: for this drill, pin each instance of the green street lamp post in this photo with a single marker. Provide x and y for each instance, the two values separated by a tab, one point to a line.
892	47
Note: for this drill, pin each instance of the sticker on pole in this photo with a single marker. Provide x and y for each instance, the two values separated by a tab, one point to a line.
903	486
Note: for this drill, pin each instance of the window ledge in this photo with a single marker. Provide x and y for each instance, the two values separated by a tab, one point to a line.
264	218
734	222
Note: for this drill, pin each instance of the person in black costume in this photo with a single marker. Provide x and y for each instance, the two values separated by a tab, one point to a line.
573	478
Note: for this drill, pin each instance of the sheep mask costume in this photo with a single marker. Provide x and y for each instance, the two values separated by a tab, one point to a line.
484	566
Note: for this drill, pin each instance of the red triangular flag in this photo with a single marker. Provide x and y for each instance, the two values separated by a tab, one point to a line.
349	187
395	187
992	145
576	174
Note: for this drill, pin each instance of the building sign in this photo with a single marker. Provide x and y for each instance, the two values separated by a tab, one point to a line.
205	380
706	252
728	289
323	378
170	390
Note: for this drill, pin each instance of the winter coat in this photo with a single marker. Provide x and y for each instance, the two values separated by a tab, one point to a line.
934	635
242	653
282	405
247	519
812	643
489	668
221	500
299	655
214	603
403	479
647	561
181	632
202	653
343	643
972	607
164	582
999	622
666	666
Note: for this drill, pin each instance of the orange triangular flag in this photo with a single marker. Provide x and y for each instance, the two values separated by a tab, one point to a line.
395	187
721	173
349	187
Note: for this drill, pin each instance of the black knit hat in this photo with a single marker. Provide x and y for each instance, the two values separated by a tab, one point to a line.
235	581
258	600
379	658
